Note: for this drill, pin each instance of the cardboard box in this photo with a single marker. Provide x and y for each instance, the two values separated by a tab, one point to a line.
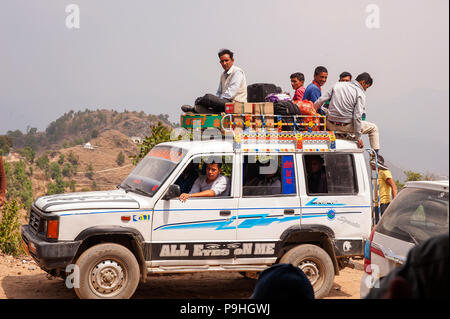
242	108
263	108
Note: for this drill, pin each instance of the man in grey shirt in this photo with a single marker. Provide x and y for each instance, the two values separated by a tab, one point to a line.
210	185
347	104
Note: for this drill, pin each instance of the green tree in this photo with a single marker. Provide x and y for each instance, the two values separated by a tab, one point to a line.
94	133
58	187
67	170
43	162
72	158
72	185
120	159
10	239
399	185
55	170
61	159
159	134
18	184
6	142
90	171
413	176
28	153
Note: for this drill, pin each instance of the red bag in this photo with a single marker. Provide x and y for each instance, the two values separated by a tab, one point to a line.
307	108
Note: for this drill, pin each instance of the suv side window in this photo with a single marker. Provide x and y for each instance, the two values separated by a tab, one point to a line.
330	174
268	175
196	170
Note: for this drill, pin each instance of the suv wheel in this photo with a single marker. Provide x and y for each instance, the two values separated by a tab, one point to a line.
107	271
316	264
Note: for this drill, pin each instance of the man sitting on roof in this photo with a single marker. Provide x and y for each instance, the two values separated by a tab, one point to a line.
232	88
347	103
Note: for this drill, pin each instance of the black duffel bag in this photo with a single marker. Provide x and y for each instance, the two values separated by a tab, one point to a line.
285	108
257	92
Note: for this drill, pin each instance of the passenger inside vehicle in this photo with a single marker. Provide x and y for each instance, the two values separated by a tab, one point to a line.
316	174
187	178
211	184
261	179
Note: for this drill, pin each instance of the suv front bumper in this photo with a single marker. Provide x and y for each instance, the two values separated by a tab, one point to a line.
49	255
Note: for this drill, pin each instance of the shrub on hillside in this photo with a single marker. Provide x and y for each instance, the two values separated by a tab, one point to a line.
72	158
18	184
43	162
58	187
120	159
10	239
55	170
90	171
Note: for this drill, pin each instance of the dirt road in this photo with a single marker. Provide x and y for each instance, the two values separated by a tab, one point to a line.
23	279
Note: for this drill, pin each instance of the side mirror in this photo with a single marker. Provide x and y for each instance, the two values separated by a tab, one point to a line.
173	192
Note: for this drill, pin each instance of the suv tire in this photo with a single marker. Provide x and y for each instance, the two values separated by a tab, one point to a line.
108	271
315	263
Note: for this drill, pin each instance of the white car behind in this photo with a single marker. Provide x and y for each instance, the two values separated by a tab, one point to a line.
419	212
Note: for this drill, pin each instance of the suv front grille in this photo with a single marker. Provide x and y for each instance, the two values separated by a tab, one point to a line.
35	220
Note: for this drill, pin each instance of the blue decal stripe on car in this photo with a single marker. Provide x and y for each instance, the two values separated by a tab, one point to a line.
249	221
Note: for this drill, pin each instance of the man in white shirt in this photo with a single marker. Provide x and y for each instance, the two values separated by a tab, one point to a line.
347	104
232	88
210	185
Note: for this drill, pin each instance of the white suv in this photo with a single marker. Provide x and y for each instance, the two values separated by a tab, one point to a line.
419	212
116	238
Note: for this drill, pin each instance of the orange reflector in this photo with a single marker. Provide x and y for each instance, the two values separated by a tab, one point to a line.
33	248
25	247
52	229
125	218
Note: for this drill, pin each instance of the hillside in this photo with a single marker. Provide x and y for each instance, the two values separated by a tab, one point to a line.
106	172
76	128
74	168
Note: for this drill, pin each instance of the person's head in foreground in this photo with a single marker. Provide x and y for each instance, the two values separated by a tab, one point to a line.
283	281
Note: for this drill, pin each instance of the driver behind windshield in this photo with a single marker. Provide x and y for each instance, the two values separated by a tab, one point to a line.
210	185
188	178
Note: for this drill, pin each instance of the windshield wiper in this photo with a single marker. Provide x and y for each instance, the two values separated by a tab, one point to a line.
407	232
126	187
140	191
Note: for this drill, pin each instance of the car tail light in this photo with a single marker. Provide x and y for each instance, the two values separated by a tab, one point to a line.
368	250
52	229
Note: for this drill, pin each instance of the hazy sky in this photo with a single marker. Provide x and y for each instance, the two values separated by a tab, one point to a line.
157	55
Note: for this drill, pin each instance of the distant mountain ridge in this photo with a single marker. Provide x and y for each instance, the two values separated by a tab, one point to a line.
75	128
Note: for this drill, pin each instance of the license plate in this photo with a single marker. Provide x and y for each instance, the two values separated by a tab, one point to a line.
25	247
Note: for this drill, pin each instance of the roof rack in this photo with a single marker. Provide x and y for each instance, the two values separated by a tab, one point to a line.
268	133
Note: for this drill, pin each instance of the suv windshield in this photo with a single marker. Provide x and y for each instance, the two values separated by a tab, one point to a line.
416	215
153	170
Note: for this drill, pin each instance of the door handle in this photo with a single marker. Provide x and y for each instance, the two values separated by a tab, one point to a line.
225	213
289	212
